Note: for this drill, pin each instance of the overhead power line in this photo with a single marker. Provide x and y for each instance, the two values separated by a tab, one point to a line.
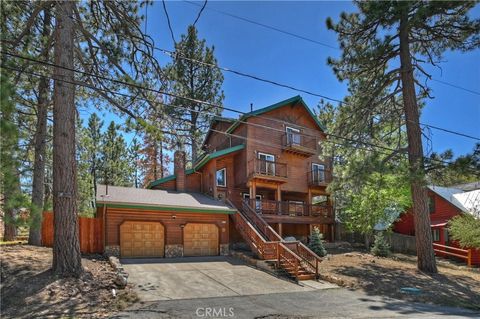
174	55
301	37
366	146
267	26
203	102
190	99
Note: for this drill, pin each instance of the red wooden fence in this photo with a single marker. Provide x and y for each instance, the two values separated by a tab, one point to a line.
89	230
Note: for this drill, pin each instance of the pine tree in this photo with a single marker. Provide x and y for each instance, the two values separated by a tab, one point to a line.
13	198
316	243
380	246
116	169
195	81
383	45
134	156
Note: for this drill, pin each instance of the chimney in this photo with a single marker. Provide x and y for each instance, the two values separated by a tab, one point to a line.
179	170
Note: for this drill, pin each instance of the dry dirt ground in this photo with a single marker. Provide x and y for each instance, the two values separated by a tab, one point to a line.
386	276
30	290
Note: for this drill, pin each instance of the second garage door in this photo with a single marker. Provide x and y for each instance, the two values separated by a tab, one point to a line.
142	239
200	240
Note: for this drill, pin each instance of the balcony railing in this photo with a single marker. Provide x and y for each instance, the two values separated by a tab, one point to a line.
319	177
293	209
268	168
299	143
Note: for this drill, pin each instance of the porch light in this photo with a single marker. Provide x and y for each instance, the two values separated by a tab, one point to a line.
174	216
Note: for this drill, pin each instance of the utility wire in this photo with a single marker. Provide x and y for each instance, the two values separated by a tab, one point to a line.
199	101
168	21
307	39
200	12
174	55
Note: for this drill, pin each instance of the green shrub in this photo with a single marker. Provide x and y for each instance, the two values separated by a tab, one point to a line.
316	243
380	246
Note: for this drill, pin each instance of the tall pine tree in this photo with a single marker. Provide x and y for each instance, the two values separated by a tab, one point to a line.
195	81
385	48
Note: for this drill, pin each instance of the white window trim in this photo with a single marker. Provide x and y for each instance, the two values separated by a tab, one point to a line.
266	154
224	177
291	128
258	197
435	231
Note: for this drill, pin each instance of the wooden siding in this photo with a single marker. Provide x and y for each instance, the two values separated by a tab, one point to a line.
89	231
444	211
297	166
173	230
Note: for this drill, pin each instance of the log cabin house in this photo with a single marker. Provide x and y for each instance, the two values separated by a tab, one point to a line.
444	204
261	180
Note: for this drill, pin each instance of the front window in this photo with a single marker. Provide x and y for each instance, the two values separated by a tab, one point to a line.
436	234
222	177
293	136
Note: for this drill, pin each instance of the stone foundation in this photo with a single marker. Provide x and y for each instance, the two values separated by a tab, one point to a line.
224	250
112	251
173	251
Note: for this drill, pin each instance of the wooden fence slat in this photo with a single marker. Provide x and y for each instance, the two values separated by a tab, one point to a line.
90	233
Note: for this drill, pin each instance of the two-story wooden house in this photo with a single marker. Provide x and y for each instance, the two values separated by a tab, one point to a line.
267	167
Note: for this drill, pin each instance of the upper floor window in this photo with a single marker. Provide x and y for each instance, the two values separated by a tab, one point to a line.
222	177
266	165
293	135
431	204
436	234
318	172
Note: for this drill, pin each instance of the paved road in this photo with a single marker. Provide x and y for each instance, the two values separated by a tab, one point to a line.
331	303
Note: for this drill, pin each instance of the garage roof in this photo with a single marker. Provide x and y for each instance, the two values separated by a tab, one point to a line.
117	196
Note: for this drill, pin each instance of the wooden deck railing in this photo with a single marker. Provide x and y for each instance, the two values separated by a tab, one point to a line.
299	140
319	177
268	168
272	207
297	247
455	252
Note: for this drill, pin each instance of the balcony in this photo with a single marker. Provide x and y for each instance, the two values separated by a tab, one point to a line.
290	212
299	144
268	170
319	177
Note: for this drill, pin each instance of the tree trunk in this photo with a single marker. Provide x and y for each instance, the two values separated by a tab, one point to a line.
9	229
66	247
423	235
38	183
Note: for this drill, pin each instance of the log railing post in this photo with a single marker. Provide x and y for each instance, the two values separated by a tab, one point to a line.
469	258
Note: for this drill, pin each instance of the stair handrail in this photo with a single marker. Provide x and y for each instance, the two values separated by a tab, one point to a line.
268	231
305	253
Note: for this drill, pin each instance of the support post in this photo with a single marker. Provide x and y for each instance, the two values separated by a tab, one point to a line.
469	258
280	231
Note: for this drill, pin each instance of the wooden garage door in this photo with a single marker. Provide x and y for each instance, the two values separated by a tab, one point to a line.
142	239
200	240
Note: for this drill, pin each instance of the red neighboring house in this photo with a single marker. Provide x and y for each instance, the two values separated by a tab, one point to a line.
444	203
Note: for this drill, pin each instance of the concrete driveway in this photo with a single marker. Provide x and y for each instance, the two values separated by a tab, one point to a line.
206	277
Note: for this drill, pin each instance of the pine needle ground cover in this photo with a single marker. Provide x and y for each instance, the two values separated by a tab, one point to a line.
30	290
385	276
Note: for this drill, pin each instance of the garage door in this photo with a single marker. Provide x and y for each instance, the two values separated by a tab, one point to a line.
142	239
200	240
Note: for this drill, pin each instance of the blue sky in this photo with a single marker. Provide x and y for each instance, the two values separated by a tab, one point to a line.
253	49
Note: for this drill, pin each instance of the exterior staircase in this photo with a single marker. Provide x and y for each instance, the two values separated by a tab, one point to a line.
294	259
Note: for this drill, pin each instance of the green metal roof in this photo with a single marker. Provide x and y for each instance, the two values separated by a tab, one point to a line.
199	164
292	100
